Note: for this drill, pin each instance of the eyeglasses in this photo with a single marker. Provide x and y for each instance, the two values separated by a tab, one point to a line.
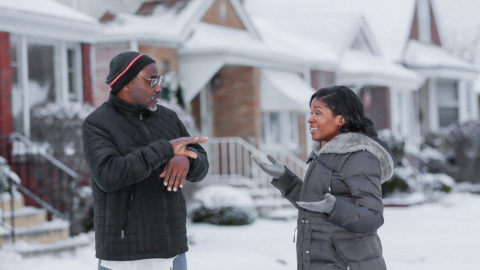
154	80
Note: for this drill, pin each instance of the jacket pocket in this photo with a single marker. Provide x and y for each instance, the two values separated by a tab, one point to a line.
341	259
358	249
123	232
316	251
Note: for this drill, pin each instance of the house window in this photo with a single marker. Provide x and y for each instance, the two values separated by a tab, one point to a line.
272	131
280	130
42	77
399	113
447	101
165	66
72	91
17	94
41	73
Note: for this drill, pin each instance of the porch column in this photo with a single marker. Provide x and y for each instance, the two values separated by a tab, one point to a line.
6	80
87	74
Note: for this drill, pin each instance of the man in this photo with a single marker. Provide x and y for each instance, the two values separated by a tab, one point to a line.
139	155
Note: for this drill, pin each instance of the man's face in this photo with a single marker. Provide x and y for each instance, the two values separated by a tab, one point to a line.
141	91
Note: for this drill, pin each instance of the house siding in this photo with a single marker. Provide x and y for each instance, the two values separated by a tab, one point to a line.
376	102
103	54
230	19
236	104
87	74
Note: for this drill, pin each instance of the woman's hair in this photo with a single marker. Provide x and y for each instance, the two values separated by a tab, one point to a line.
343	101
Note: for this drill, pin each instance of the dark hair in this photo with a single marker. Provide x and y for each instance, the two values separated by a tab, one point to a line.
343	101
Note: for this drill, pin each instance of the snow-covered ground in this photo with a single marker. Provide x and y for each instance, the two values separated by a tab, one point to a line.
442	235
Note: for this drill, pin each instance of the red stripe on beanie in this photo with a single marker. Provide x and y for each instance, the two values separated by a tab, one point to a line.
126	69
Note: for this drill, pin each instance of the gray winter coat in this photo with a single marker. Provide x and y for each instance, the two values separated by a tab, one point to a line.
351	167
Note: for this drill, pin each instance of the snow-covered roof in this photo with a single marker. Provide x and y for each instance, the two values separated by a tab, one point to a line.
202	56
319	55
284	91
361	68
48	8
46	18
229	40
170	23
389	19
421	55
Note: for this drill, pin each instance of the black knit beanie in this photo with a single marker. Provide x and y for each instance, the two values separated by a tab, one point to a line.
124	67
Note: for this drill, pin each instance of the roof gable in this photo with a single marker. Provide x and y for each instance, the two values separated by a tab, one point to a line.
424	26
223	13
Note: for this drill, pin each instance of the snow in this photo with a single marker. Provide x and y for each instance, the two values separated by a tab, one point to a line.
47	8
217	196
230	40
275	36
284	91
55	224
389	19
441	236
356	62
165	23
424	55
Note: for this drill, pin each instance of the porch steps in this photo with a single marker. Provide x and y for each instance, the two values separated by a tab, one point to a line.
268	200
36	249
33	233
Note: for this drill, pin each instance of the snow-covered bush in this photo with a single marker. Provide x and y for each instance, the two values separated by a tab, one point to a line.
396	145
223	205
432	160
461	143
59	126
4	168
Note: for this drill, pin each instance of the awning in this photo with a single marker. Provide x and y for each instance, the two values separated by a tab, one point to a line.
284	91
195	72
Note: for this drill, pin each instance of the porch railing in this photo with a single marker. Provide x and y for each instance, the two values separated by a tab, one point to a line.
230	157
43	180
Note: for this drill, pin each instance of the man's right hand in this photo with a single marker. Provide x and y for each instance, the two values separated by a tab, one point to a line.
179	145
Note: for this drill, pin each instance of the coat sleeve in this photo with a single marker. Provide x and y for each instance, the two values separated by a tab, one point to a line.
112	171
198	166
289	185
361	173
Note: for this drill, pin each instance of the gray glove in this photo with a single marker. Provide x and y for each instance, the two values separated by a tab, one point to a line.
324	206
275	170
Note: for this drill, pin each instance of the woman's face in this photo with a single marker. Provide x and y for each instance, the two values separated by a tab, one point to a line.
324	126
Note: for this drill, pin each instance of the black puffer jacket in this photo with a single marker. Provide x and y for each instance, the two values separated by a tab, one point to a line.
352	167
126	148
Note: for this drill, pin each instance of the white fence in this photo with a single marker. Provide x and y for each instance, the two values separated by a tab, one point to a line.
230	157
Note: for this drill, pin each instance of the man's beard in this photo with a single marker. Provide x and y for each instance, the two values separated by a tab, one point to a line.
154	106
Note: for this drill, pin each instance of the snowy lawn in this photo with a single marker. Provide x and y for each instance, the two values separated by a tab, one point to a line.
444	235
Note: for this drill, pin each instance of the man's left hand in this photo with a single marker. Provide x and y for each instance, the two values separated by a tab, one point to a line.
175	172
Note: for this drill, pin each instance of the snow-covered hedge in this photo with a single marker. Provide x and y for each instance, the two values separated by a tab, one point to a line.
4	168
223	205
461	144
59	127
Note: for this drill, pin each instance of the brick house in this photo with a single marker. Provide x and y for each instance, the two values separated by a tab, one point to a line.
229	75
349	42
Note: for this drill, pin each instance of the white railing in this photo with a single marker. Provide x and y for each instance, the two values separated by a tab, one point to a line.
230	157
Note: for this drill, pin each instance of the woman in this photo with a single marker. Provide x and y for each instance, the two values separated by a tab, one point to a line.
340	200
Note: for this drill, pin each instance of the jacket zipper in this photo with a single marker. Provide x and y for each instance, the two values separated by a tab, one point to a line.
124	227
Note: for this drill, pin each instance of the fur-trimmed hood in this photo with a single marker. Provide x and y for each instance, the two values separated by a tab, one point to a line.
353	142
